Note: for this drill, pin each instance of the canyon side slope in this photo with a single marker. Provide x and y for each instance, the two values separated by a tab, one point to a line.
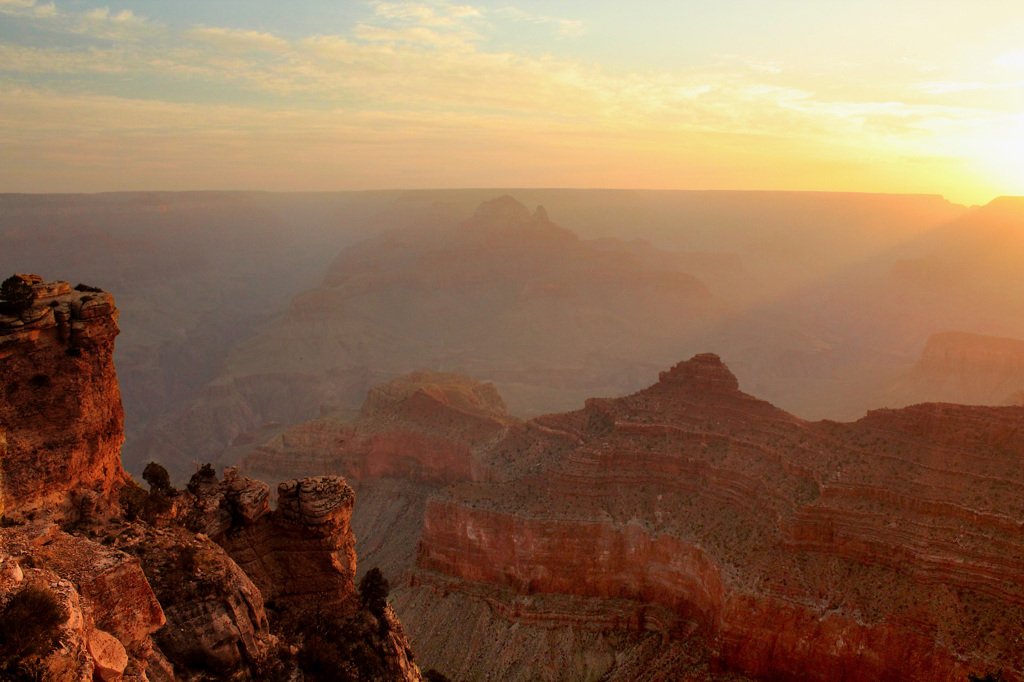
688	531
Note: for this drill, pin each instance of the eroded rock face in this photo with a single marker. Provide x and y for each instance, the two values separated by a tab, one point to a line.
412	436
60	405
104	591
888	548
301	557
302	553
216	620
152	595
113	584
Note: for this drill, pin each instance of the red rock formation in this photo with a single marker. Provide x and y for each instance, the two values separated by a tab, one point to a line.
888	548
60	429
302	553
59	402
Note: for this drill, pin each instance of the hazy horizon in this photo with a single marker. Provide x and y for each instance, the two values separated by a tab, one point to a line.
139	95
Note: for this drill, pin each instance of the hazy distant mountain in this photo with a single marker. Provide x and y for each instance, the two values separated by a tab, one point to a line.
505	295
958	367
792	289
193	272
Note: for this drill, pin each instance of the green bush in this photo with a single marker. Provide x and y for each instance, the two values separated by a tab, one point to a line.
133	500
204	476
157	477
86	287
16	295
432	675
29	630
373	590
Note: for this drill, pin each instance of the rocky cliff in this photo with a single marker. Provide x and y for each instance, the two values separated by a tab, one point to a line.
59	402
413	435
689	531
882	549
109	582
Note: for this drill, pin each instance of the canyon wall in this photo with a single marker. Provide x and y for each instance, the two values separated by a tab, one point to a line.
888	548
60	405
691	531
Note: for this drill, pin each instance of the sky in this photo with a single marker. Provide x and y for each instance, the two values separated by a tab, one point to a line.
900	96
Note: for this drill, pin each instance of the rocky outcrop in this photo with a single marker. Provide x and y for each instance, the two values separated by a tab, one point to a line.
216	622
784	549
302	553
301	556
413	435
59	403
146	598
112	610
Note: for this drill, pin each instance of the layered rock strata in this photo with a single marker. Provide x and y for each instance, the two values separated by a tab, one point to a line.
60	405
302	553
888	548
959	367
412	436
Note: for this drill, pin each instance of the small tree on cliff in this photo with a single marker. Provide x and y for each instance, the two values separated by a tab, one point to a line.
373	590
16	295
157	477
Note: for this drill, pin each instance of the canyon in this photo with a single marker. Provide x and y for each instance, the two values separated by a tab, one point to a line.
236	321
687	531
206	583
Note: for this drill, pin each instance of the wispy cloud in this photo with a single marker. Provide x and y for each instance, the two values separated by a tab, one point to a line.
427	13
919	65
1013	59
944	87
234	40
27	8
564	28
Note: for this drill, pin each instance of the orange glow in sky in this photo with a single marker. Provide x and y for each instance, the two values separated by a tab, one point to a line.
927	97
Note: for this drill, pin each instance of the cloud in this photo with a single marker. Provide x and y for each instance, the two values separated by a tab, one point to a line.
944	87
27	8
564	28
237	40
417	35
422	75
427	14
1013	59
919	65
